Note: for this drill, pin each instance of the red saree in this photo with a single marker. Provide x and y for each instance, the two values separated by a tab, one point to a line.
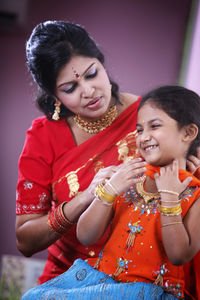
52	167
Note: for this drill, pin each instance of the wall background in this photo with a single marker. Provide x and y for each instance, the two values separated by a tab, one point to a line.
143	45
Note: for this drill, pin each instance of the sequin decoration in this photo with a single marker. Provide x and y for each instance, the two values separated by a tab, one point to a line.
134	229
160	273
139	204
122	266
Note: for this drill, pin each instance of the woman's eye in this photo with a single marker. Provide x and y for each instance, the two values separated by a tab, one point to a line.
92	73
70	89
139	131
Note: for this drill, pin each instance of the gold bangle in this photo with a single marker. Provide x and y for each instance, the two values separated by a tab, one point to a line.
170	201
168	192
103	194
172	214
103	201
173	223
170	210
115	191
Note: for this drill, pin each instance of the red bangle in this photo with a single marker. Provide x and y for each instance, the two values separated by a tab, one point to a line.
57	220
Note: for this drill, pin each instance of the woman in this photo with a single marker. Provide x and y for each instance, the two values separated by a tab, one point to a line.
88	125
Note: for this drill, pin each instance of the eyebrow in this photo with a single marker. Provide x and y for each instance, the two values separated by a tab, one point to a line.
81	75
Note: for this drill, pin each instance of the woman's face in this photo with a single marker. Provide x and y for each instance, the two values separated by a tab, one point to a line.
84	88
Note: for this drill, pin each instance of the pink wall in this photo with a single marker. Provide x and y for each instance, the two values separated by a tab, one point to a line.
142	41
192	78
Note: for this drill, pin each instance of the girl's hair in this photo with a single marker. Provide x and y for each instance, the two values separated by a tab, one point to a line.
181	104
49	48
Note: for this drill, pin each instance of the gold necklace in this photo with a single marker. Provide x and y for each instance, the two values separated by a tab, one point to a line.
98	125
147	196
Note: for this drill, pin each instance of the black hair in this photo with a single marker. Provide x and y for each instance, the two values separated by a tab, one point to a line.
49	48
181	104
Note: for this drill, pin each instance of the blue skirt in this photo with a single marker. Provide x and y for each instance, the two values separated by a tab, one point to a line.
82	282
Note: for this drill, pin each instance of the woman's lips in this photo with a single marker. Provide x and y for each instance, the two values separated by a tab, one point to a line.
94	103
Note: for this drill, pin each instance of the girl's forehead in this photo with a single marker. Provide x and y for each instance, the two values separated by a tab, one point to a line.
150	111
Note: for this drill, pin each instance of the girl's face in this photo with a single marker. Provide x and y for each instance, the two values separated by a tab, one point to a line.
160	140
84	88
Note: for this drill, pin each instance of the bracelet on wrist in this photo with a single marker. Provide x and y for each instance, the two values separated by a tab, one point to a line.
168	192
112	187
98	198
170	211
57	221
172	223
104	195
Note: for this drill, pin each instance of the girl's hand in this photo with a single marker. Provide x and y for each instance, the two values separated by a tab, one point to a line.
169	179
193	164
101	175
128	174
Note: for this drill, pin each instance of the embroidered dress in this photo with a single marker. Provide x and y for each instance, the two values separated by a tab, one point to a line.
52	169
134	251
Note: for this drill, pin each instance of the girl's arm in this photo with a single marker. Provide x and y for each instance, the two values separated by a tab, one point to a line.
93	222
181	237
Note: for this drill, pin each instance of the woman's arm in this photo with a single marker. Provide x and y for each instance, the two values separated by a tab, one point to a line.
93	222
34	234
181	237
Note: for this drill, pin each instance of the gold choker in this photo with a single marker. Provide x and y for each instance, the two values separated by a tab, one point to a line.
98	125
147	196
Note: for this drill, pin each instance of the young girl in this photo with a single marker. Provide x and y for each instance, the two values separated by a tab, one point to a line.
155	228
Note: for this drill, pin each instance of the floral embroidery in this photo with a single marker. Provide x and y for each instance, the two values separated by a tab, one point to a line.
134	229
175	289
122	266
43	197
188	193
98	260
28	185
160	273
139	204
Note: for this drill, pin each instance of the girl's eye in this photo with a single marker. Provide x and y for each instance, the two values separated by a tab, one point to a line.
155	125
92	73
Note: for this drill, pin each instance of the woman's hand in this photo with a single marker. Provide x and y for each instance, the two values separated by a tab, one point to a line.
169	179
128	174
101	175
193	164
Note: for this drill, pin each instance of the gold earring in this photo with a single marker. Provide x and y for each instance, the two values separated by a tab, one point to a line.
56	113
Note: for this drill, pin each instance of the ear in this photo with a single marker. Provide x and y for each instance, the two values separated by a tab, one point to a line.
190	132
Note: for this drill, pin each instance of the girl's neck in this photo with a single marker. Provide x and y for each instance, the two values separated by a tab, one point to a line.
150	185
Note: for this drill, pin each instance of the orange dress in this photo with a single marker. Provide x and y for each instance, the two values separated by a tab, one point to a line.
134	251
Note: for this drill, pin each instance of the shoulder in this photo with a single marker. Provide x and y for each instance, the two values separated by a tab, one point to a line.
126	99
43	125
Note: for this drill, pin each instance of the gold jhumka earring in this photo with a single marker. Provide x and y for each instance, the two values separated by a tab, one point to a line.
56	113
